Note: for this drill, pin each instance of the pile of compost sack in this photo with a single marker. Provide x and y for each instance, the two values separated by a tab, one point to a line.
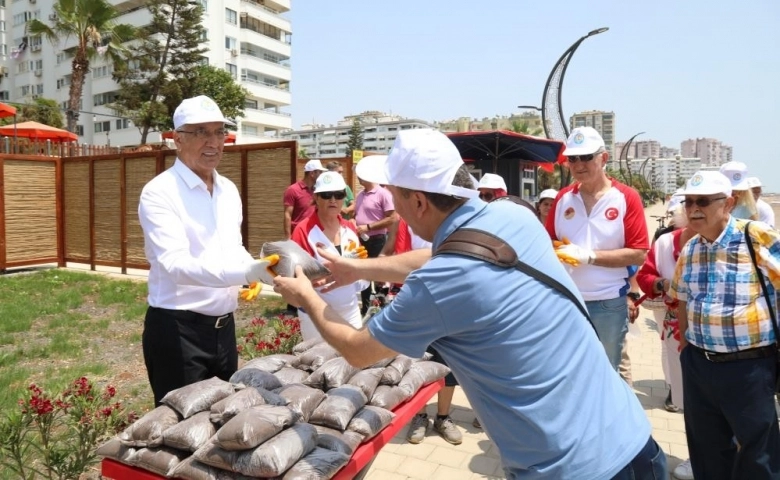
295	416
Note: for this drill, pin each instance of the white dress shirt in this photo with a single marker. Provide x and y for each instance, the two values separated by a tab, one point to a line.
192	241
765	213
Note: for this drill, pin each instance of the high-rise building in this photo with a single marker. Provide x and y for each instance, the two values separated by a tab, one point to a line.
711	151
379	132
250	39
603	122
666	174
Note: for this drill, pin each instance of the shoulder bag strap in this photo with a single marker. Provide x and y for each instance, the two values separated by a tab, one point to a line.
485	246
761	279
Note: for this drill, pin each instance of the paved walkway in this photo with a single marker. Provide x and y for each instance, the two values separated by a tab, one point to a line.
477	457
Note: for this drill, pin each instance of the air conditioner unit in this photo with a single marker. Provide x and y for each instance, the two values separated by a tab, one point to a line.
38	73
35	48
234	52
35	97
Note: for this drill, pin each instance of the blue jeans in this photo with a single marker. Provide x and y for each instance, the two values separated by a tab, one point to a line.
649	464
610	317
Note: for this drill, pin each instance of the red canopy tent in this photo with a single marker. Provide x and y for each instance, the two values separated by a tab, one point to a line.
231	138
7	110
37	131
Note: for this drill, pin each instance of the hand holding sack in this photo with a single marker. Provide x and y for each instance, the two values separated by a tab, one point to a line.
573	255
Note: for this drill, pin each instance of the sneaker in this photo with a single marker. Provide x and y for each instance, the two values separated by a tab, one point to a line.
448	431
669	406
476	423
683	471
418	428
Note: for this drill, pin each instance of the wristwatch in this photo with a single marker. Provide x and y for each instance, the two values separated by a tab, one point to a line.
659	285
633	296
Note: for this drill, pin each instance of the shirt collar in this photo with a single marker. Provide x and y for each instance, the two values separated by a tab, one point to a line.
456	220
576	188
725	235
189	177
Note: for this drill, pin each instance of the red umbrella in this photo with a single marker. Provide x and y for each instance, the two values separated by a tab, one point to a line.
37	131
7	110
231	138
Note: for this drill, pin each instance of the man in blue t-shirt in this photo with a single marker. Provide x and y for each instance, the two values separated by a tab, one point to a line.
530	364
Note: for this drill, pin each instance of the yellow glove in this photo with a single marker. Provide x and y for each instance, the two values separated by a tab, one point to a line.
261	270
354	250
249	294
574	255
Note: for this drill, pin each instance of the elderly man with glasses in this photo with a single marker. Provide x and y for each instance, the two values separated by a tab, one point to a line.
191	219
729	351
600	227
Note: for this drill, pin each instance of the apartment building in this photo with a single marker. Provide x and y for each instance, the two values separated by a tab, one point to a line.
712	151
531	120
250	39
603	122
330	141
666	174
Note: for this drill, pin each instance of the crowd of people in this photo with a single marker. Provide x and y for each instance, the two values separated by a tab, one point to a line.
536	345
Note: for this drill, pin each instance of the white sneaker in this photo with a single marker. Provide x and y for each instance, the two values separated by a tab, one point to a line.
683	471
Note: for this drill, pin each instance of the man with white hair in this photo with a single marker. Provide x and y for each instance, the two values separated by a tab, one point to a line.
729	351
191	219
524	354
765	212
601	223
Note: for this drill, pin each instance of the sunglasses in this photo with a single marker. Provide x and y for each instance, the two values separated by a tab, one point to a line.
582	158
336	195
486	196
702	202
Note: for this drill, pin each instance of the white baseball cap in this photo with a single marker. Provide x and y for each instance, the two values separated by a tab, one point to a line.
330	182
549	193
491	180
736	172
425	160
313	165
706	182
200	109
583	141
370	168
754	182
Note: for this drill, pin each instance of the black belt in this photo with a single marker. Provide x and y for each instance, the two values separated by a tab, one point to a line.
218	321
379	235
752	354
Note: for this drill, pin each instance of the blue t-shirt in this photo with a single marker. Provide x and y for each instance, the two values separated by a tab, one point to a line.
528	361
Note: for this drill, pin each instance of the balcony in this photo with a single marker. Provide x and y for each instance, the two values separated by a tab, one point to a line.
274	45
264	14
264	91
266	119
254	61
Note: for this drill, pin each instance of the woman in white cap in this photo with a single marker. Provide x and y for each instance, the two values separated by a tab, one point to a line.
327	229
745	205
765	212
546	199
491	186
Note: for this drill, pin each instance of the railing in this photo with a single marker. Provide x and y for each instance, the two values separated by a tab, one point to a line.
244	78
252	53
272	112
258	5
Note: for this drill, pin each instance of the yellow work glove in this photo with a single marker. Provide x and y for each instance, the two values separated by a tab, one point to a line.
262	270
354	250
249	294
574	255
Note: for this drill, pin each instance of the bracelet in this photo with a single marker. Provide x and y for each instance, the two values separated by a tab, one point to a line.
368	226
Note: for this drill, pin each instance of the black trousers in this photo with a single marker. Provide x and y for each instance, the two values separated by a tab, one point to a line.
726	401
182	347
373	246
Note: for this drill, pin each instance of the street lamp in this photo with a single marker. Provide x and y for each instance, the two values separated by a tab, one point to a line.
530	107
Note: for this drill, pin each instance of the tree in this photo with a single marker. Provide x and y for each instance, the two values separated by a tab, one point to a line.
222	88
303	154
42	110
162	68
525	128
355	141
93	24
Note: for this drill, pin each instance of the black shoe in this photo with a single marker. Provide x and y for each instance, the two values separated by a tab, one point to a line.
669	406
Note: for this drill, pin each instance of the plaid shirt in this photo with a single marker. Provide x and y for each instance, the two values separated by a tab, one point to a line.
726	308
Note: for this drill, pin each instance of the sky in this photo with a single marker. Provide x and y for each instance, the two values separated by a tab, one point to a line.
673	69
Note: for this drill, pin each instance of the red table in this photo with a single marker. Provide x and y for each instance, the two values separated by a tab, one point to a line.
362	456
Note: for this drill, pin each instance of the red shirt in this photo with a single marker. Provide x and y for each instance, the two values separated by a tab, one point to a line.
301	198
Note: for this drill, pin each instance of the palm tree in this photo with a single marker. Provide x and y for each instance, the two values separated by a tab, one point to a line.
93	24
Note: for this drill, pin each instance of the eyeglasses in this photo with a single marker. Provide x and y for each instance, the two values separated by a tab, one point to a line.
486	196
582	158
336	195
701	202
202	133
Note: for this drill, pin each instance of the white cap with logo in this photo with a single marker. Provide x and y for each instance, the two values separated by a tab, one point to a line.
754	182
549	193
491	180
736	172
370	168
313	165
706	182
583	141
200	109
424	160
330	182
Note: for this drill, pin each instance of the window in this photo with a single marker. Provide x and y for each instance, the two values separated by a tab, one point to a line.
39	89
102	71
230	43
204	36
250	104
123	123
2	25
4	95
231	16
232	69
103	98
103	126
249	130
80	130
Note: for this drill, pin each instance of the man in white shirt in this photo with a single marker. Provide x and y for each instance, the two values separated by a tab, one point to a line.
765	212
191	218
